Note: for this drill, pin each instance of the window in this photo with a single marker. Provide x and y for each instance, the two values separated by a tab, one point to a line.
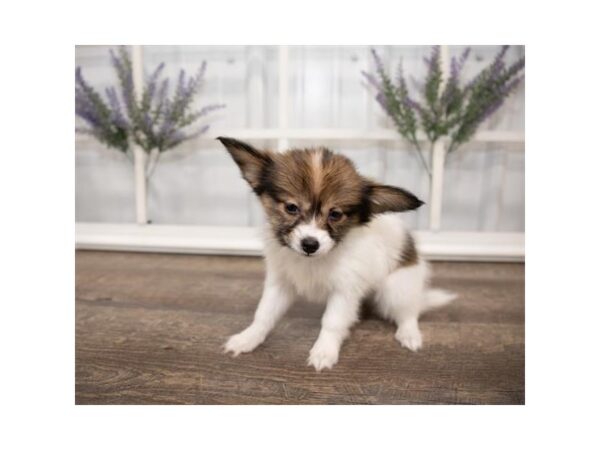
300	96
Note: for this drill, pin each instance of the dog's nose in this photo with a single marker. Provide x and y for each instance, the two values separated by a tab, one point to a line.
310	245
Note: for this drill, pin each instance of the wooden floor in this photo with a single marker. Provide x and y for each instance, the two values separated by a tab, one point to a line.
149	329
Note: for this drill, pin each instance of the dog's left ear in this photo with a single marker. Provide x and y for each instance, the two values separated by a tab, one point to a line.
385	198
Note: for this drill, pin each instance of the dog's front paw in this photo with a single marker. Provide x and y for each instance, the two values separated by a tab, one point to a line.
323	355
243	342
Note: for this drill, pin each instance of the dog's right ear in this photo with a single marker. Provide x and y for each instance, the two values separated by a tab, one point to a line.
250	160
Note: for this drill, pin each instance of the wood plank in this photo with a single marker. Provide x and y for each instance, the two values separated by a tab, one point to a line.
149	329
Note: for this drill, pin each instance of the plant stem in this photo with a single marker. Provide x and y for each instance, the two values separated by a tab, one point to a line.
452	146
420	152
129	155
152	161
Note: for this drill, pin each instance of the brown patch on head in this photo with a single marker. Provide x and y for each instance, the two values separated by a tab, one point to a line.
324	186
408	255
316	161
298	186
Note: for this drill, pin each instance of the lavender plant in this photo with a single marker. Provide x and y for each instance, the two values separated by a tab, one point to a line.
448	109
156	121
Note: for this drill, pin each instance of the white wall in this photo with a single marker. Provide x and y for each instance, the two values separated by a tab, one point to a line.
198	183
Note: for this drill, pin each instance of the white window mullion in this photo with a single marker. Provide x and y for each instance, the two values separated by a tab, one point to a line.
139	156
284	92
438	157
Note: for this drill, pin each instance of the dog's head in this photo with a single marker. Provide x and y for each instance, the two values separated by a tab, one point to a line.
313	197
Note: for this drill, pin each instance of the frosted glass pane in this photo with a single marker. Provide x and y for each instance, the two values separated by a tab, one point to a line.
484	189
199	184
326	86
104	186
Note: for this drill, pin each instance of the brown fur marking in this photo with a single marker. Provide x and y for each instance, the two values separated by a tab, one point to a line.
409	255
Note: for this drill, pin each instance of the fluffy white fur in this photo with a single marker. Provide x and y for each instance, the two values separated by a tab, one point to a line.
364	264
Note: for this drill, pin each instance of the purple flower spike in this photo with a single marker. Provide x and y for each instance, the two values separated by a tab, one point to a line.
158	120
448	108
378	62
433	58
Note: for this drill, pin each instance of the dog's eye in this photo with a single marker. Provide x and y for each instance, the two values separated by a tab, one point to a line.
292	209
335	215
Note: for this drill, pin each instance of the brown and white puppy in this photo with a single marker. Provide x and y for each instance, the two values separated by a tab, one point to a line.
328	240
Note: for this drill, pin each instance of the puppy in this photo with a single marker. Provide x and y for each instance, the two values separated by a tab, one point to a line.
332	238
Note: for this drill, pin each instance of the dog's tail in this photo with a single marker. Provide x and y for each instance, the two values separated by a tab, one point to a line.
434	298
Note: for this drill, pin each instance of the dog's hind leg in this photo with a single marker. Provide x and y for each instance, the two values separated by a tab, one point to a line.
405	294
401	299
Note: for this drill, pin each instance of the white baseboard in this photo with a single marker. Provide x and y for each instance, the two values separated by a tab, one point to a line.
444	245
